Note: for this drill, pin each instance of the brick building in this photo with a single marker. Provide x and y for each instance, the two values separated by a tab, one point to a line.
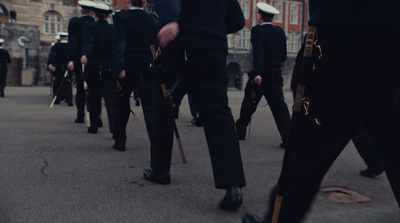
52	16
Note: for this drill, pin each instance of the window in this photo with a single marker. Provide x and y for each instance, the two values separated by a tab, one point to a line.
294	14
246	8
244	39
293	42
230	40
278	18
52	22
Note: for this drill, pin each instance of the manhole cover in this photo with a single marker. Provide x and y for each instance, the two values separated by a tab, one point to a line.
343	195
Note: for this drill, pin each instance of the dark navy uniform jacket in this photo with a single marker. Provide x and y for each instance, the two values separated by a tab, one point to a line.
269	49
135	30
75	36
4	60
58	56
208	28
97	42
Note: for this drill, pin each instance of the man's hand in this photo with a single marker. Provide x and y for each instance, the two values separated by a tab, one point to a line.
70	66
51	68
84	59
258	79
122	74
168	33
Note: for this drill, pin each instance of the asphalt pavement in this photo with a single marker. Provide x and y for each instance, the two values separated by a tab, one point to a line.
52	170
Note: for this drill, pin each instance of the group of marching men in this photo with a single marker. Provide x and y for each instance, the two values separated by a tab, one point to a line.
114	60
93	51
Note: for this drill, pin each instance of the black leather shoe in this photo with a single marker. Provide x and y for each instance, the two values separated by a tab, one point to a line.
70	104
240	130
163	179
371	172
92	130
2	93
79	120
282	145
232	199
251	218
119	147
100	123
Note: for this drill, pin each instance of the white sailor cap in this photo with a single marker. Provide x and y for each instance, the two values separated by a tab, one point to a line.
85	4
62	34
57	37
267	10
101	7
1	40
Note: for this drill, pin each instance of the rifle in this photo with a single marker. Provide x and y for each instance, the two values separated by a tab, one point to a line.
59	88
169	99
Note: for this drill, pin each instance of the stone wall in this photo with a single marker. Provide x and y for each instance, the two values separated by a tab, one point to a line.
32	12
11	33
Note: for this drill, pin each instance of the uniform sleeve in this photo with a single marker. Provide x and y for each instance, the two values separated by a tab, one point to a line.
72	40
234	19
88	39
284	48
8	58
168	11
119	44
258	52
52	55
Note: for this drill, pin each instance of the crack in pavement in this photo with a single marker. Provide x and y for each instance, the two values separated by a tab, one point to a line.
46	164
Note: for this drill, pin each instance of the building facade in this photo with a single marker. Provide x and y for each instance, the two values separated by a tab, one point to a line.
47	17
52	16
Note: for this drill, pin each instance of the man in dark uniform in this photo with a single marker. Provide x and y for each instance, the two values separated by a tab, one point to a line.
193	34
58	64
97	56
135	31
269	52
362	143
355	81
75	30
49	58
4	60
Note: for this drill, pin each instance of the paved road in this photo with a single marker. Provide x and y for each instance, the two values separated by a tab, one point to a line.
51	170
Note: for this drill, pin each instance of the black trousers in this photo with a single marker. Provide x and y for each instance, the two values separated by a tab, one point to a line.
64	90
203	76
193	110
110	100
272	89
100	80
3	78
365	147
351	87
80	97
143	84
